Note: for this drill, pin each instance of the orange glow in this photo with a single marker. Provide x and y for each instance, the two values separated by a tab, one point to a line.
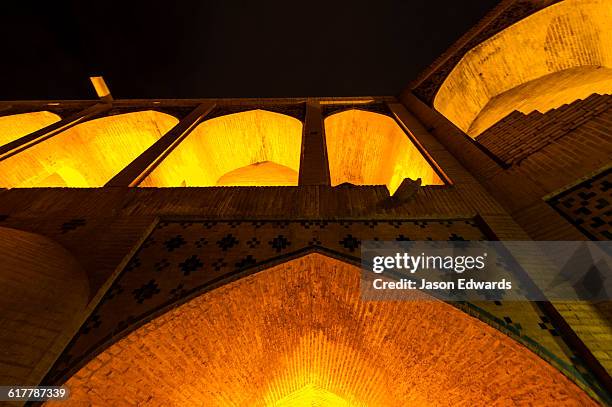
86	155
100	86
264	173
234	149
311	395
543	94
559	54
18	125
366	148
299	334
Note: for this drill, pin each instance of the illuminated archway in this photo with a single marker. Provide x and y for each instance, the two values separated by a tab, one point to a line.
299	333
15	126
43	292
553	57
366	148
255	147
86	155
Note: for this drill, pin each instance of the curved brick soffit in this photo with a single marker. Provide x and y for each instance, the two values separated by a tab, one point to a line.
180	260
426	87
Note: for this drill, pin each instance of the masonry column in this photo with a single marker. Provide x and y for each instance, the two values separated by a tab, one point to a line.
141	167
314	167
31	139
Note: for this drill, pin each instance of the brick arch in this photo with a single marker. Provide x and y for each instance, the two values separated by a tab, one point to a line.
553	57
43	293
184	258
298	333
254	147
368	148
86	155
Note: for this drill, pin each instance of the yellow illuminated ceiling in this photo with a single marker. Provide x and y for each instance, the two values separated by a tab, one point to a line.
256	147
18	125
86	155
553	57
299	334
310	396
366	148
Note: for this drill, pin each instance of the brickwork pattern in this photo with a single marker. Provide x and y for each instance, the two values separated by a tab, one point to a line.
262	338
522	187
506	14
588	206
591	321
517	136
43	291
182	258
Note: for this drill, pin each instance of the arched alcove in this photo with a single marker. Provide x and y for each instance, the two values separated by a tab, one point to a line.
553	57
43	292
15	126
256	147
366	148
86	155
298	333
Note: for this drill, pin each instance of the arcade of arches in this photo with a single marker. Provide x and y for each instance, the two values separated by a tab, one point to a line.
297	333
252	148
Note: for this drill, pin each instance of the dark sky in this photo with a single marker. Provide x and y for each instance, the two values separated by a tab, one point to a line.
224	48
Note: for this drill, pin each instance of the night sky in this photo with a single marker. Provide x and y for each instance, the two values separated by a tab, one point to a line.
224	48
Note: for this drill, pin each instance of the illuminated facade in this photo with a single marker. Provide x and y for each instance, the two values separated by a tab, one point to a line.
569	57
204	252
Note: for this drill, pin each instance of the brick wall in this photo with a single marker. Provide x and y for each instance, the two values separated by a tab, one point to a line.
584	148
585	123
577	145
43	291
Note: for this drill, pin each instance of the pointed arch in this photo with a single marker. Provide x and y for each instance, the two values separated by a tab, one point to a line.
298	332
255	147
366	148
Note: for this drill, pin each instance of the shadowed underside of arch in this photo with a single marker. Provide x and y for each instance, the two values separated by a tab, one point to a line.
366	148
298	334
15	126
255	147
86	155
553	57
43	291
